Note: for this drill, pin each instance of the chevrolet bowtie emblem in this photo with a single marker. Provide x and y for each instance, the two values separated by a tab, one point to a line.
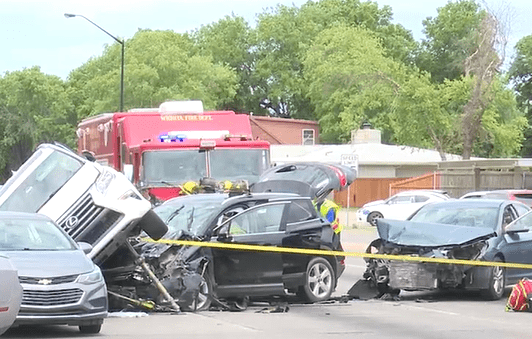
44	282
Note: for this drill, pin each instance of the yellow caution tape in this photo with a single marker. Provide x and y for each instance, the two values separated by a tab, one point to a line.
308	251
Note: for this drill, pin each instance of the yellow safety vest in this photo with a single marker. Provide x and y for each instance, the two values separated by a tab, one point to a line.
329	210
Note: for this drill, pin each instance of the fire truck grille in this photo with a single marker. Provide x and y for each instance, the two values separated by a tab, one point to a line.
85	221
51	281
51	298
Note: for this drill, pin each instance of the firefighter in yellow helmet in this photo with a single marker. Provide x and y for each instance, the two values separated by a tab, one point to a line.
329	210
190	187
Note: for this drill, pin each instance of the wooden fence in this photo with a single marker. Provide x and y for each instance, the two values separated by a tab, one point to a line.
456	182
363	191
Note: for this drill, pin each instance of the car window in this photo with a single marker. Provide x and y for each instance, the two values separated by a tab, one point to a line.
524	222
521	209
401	200
496	195
262	219
508	215
300	210
420	198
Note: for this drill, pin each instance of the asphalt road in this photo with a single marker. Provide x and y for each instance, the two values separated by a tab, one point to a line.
416	315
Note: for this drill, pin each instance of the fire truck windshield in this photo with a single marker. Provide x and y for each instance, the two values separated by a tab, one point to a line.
173	167
238	164
177	167
51	170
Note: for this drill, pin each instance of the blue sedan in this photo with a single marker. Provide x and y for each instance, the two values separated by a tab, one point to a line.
473	229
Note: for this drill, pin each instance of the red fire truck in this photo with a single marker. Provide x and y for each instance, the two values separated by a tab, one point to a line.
161	149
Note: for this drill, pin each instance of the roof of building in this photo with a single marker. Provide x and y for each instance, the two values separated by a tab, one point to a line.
367	153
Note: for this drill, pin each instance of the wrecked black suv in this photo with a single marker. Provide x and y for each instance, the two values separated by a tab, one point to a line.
267	214
272	219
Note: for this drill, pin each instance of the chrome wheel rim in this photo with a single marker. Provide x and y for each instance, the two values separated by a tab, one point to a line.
498	280
319	280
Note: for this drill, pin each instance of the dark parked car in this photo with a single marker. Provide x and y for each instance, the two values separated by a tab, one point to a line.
472	229
61	285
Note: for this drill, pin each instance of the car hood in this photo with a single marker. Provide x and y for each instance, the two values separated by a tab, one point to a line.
310	179
410	233
45	264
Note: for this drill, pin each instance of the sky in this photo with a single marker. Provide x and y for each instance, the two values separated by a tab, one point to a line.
36	33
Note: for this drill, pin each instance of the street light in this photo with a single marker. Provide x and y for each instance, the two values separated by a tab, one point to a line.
121	42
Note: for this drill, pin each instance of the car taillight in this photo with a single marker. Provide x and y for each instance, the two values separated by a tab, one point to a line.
340	175
4	309
342	262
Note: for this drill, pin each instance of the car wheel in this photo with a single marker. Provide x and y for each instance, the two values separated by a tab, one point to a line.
319	280
90	329
204	300
153	225
373	216
497	282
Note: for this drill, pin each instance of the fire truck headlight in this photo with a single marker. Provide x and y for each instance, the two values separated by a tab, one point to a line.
104	180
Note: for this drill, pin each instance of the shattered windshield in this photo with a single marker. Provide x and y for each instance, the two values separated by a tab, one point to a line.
43	181
187	216
32	234
238	164
459	216
173	167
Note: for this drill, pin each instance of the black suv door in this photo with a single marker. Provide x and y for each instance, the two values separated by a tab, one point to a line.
251	273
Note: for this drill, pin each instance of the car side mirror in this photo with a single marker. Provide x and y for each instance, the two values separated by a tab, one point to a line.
88	155
85	247
223	236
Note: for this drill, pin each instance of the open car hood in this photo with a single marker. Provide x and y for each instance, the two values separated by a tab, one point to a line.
310	179
410	233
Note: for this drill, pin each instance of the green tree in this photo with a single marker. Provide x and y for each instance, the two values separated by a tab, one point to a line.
449	39
159	66
351	81
286	33
520	75
431	115
229	42
503	124
34	108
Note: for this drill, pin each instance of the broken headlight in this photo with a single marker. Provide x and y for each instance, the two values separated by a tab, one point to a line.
469	252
